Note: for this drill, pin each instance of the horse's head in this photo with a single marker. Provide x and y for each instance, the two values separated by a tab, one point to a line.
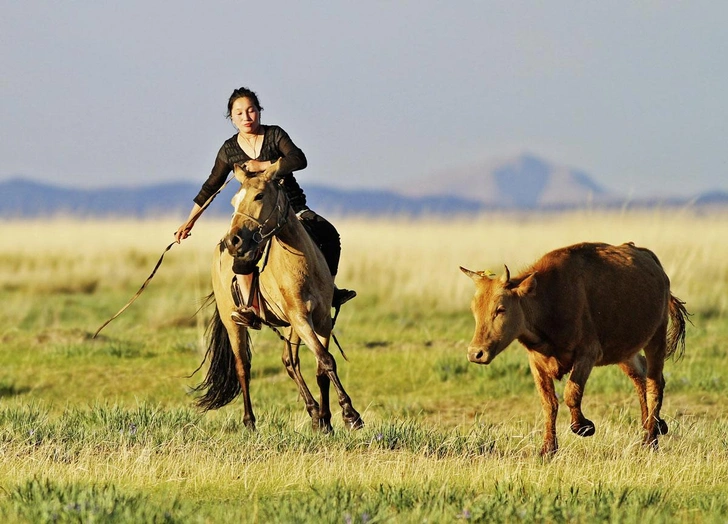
260	211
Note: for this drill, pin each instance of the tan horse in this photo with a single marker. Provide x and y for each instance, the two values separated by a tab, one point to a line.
296	290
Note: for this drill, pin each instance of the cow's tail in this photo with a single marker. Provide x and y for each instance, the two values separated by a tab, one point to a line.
679	317
221	384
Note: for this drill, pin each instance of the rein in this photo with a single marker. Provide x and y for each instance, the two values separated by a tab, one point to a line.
161	258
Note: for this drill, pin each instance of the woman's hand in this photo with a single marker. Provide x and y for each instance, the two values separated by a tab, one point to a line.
256	166
183	231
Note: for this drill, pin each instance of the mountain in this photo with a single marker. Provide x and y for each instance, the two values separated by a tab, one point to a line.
522	182
20	198
26	198
519	183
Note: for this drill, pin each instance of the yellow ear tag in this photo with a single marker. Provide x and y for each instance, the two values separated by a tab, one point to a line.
488	273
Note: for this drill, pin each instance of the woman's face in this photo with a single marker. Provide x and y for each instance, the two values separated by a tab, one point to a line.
245	115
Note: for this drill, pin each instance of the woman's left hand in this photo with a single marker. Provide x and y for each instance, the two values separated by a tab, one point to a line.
256	166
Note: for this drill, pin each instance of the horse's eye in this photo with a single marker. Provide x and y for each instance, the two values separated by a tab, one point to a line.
500	310
259	196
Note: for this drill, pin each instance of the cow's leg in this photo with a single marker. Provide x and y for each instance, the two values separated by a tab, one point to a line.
549	404
327	367
636	369
293	366
655	352
574	392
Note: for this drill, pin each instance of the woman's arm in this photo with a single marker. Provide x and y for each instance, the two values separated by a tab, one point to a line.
289	154
185	229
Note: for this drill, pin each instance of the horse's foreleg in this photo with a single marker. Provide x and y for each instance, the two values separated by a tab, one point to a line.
293	367
241	350
326	372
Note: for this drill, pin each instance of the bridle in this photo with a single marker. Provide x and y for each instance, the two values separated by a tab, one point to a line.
260	237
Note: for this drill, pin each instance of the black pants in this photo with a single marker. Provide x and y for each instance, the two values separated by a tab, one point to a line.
325	236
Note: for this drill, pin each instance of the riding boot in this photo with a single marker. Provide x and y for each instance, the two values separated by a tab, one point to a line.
246	316
342	296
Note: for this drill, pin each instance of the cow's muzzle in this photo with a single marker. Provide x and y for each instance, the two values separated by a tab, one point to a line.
478	355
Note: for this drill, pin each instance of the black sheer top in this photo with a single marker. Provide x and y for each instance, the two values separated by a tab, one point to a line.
276	145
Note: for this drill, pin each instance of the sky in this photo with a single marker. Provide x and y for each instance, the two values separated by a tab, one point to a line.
377	94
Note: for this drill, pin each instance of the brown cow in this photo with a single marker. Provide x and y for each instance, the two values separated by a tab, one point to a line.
578	307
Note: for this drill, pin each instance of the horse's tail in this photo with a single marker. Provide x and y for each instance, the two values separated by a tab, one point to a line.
221	385
679	317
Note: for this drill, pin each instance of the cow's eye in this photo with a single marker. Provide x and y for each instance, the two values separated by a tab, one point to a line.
500	310
259	196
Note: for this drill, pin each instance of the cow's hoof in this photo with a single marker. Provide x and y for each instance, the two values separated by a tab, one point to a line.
662	426
549	449
584	428
650	441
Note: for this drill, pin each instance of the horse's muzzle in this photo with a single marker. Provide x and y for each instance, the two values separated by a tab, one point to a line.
245	251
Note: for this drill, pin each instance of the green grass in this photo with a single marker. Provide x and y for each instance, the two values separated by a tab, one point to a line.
104	430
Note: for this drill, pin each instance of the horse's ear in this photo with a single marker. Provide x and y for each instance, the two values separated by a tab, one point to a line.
272	172
241	173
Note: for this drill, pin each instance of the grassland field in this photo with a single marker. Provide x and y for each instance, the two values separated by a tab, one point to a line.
105	430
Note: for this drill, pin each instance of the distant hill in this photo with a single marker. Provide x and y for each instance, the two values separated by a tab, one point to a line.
21	198
522	182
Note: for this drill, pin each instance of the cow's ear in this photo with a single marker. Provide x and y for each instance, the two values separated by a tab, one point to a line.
476	276
506	277
527	285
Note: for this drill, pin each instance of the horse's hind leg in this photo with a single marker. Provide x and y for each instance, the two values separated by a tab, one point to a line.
293	366
324	383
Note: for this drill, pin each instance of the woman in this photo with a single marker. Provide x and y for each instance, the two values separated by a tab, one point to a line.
258	146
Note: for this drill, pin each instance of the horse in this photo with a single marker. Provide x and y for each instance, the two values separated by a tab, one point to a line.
295	293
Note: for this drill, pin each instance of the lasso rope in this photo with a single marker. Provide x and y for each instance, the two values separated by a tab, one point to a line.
161	258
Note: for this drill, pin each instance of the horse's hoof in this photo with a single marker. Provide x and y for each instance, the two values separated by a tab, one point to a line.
324	426
356	423
586	429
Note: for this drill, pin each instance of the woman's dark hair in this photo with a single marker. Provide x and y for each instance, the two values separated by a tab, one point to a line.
243	92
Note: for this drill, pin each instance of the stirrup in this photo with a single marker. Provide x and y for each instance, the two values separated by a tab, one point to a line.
342	296
246	316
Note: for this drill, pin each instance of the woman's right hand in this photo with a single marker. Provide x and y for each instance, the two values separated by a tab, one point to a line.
183	232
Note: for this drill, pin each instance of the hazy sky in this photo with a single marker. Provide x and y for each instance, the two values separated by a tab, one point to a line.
376	93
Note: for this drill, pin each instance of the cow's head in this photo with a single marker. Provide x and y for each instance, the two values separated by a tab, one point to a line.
499	315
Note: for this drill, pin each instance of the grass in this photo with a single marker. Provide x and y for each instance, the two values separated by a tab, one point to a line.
104	429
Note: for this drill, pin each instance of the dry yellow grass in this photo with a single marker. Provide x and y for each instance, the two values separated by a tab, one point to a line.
393	259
